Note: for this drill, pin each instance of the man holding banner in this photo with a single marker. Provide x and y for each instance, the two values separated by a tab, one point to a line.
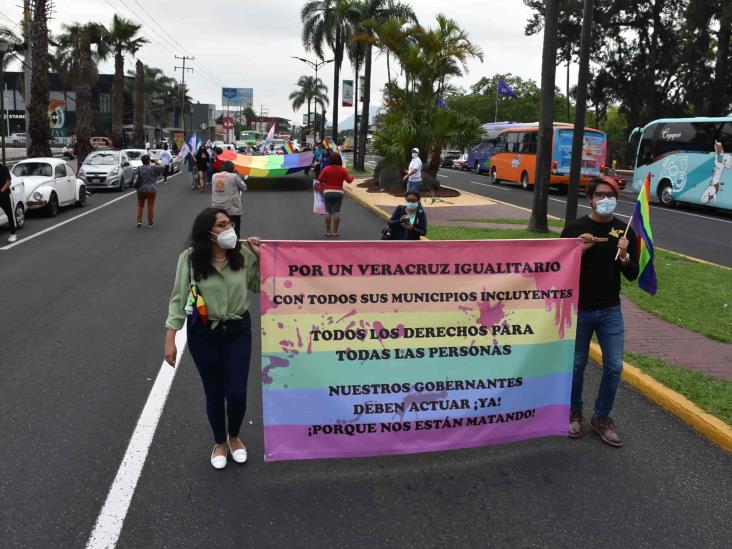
610	250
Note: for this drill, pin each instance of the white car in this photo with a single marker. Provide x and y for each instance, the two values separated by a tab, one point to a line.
17	138
135	158
48	184
107	169
17	199
174	165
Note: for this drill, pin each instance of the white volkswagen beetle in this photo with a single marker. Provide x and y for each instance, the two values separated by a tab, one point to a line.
49	183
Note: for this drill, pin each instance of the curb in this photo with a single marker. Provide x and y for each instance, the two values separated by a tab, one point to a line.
711	427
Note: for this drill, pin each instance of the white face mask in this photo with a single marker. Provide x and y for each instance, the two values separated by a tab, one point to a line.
226	239
415	155
605	206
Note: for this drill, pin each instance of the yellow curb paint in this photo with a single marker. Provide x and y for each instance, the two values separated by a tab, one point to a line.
372	207
695	259
711	427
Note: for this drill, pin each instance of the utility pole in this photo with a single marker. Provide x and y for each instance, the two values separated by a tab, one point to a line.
183	69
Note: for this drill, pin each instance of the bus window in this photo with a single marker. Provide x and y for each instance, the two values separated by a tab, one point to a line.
725	136
500	144
645	151
685	136
512	142
527	143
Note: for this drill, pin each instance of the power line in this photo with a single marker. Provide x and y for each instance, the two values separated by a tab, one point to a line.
11	21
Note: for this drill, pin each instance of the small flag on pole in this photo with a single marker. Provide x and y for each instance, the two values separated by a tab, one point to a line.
641	223
329	145
505	89
270	135
288	148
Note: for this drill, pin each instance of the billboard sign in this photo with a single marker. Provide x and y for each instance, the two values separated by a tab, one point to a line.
347	93
237	97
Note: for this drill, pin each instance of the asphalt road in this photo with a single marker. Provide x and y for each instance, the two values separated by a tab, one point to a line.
82	336
696	231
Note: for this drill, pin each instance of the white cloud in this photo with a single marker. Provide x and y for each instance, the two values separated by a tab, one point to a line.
249	44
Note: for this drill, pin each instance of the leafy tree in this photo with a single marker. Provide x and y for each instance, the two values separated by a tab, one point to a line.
121	38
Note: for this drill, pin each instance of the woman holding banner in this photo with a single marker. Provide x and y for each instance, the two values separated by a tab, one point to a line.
211	297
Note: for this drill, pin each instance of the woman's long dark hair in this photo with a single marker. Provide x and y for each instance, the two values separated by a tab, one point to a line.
201	243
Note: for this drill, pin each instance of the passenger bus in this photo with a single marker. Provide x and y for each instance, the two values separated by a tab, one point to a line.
689	159
480	152
514	159
251	137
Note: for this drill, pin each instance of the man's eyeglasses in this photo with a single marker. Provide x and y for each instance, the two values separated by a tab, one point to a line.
223	224
600	195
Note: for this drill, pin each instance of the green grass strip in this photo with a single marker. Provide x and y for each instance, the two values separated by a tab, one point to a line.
506	221
693	295
710	394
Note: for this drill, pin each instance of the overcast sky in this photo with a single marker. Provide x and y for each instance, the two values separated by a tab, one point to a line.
243	43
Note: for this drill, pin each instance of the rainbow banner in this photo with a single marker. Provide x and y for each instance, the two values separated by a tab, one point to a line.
269	165
377	348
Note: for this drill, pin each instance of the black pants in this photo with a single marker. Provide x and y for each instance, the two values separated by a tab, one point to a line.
166	170
222	358
7	207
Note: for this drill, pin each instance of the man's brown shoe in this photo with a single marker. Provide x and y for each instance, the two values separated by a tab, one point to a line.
606	429
575	424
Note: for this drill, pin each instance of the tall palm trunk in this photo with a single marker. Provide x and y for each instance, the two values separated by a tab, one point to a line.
82	87
118	91
364	128
305	140
338	51
538	221
139	104
38	129
721	69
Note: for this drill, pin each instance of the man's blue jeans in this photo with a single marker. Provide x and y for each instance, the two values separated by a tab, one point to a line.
608	325
414	186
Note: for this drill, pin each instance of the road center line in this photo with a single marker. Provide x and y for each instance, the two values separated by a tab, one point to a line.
108	526
491	186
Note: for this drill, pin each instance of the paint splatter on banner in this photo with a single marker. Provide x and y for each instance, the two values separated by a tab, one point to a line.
377	348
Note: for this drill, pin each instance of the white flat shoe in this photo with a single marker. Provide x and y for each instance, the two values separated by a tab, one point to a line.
240	455
218	462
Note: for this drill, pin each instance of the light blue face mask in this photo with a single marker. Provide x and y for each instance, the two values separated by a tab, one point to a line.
605	206
411	205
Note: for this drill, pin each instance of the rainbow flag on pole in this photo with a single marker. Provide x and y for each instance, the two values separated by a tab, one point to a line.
641	223
288	148
330	145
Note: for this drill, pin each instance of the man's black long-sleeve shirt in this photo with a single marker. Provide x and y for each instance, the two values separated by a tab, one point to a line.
600	274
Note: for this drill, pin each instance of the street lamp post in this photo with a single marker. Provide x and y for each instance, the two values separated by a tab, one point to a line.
316	65
4	46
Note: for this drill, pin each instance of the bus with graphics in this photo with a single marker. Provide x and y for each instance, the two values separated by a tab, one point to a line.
689	159
514	158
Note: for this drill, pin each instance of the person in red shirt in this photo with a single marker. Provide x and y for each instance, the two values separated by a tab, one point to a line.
332	178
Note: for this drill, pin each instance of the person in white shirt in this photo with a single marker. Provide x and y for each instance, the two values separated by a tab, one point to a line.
413	176
226	189
166	159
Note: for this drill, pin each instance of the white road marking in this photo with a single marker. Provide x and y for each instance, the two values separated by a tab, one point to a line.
57	225
492	186
440	175
108	526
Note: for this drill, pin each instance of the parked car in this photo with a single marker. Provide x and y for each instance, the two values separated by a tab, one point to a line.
135	158
460	163
448	157
101	142
17	138
49	183
17	195
107	169
174	166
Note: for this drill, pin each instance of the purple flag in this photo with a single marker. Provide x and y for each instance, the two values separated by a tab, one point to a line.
441	103
505	89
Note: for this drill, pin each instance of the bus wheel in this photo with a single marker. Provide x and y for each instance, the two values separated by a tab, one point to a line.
665	194
525	182
494	175
477	167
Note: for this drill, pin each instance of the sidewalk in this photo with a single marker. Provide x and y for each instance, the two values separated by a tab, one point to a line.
644	333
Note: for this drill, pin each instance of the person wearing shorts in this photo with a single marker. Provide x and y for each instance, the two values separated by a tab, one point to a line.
332	177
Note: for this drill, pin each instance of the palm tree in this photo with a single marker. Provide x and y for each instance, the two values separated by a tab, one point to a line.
38	130
365	15
161	95
538	221
139	105
310	89
328	22
77	63
15	45
121	39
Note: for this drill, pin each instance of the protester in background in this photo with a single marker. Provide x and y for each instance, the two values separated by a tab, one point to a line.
166	159
408	221
604	237
221	272
147	177
226	189
202	160
413	177
332	178
6	200
317	157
